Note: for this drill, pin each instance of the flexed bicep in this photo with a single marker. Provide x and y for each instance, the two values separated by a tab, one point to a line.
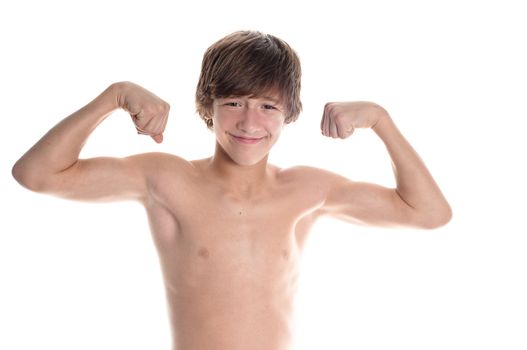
101	179
368	204
52	165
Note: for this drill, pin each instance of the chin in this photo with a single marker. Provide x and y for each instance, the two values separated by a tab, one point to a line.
246	161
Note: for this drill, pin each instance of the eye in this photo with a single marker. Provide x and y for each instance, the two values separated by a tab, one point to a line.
232	104
269	107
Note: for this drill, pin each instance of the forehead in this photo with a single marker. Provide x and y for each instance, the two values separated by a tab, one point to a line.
264	96
267	97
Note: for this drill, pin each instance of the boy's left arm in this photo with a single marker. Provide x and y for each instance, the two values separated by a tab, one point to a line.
417	200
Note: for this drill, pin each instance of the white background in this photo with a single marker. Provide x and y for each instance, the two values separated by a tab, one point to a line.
453	76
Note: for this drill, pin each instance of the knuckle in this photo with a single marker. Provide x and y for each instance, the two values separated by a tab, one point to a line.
159	109
339	118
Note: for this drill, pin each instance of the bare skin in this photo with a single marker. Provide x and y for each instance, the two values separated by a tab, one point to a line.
230	229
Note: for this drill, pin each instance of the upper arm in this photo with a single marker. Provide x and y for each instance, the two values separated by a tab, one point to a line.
367	203
101	179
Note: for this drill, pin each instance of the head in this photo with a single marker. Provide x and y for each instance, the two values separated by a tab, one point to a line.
249	86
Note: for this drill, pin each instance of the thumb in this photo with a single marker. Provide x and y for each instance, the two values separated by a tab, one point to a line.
158	138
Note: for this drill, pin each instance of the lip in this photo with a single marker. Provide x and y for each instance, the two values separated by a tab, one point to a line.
246	140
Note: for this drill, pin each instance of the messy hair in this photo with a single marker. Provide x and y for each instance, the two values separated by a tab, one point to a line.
249	63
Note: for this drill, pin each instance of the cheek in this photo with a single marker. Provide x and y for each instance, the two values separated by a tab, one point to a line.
218	124
274	126
224	120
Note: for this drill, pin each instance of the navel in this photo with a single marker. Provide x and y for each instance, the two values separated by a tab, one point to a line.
203	252
285	254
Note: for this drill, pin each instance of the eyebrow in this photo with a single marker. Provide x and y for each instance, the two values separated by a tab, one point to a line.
270	98
260	97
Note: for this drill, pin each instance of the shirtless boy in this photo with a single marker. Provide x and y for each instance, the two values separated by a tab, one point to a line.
230	229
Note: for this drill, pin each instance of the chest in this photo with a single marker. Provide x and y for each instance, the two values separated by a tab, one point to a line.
210	209
202	233
206	216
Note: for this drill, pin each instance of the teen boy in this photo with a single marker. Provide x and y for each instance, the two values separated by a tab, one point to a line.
230	229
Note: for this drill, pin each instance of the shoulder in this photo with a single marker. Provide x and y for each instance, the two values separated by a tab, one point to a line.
319	182
159	168
310	174
167	176
158	162
156	157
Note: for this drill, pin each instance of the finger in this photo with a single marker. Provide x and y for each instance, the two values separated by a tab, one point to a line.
160	126
333	132
140	131
326	122
162	118
165	120
344	132
164	123
137	117
350	131
146	125
155	127
322	120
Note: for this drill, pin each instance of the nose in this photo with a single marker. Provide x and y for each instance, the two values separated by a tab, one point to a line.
248	121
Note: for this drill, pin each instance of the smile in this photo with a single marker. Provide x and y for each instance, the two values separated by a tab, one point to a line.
246	140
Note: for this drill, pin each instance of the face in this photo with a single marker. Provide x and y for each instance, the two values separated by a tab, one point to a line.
246	128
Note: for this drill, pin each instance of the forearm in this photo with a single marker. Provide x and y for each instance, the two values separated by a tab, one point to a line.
59	149
415	184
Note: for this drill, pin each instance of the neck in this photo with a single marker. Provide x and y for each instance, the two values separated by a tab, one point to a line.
238	179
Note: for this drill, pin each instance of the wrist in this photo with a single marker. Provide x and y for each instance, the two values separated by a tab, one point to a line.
104	104
385	127
383	118
116	94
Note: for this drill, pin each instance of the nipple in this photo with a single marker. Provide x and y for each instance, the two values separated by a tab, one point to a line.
203	252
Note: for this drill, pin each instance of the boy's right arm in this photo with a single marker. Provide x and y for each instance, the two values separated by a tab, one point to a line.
53	166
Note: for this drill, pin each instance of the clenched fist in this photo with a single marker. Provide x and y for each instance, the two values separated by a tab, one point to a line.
149	113
340	119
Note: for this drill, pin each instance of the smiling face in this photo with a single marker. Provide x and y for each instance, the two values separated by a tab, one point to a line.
249	63
247	127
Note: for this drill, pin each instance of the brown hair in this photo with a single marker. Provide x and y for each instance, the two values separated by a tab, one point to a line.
249	63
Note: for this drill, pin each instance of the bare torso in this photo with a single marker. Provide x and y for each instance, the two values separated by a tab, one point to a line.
230	244
230	263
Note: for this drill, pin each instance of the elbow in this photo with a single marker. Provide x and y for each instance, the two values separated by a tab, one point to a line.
437	218
18	173
27	177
